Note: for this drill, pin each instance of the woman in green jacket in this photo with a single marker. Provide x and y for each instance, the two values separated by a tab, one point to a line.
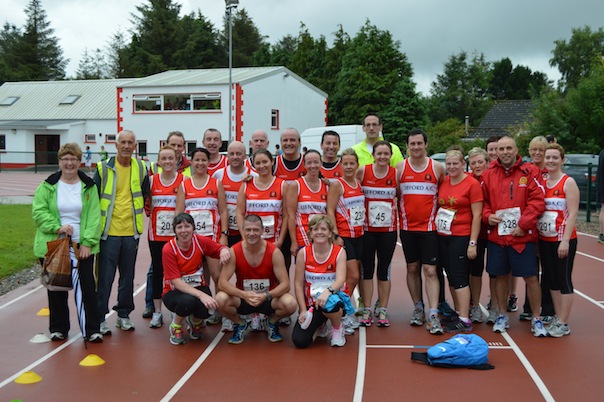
67	203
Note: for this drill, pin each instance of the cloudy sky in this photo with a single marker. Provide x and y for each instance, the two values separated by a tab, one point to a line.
429	31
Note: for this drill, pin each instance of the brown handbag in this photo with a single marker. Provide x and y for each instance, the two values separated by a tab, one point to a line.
56	269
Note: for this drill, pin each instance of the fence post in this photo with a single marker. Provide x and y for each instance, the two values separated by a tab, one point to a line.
588	203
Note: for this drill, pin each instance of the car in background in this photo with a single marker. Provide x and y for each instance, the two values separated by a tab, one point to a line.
576	166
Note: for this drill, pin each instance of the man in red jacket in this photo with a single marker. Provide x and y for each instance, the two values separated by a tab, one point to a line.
513	201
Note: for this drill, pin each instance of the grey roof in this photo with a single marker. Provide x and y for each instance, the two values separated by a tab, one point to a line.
503	116
39	100
38	124
213	76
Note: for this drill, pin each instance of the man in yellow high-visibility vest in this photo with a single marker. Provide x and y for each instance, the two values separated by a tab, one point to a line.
123	184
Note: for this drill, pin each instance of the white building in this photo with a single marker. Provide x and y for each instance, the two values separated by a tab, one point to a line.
37	117
191	101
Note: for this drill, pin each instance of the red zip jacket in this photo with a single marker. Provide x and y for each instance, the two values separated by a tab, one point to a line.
518	186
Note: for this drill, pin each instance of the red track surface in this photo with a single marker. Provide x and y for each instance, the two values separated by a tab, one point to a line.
374	365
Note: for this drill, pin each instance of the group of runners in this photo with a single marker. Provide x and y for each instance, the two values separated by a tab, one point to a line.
238	221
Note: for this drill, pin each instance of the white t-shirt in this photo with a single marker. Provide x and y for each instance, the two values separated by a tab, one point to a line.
69	202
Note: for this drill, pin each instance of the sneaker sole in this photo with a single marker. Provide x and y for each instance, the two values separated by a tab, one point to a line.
176	343
383	324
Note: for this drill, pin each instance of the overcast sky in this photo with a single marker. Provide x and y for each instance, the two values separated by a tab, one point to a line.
429	31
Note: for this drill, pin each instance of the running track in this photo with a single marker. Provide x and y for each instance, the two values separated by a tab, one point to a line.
374	365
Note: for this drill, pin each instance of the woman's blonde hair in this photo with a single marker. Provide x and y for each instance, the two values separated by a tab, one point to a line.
316	220
455	153
478	151
71	148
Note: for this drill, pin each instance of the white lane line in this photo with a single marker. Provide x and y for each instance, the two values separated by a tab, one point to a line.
21	297
587	234
589	299
359	384
193	368
590	256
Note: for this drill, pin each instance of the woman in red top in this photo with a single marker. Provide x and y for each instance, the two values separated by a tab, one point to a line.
478	159
203	198
320	273
380	187
162	194
186	292
306	197
558	237
458	225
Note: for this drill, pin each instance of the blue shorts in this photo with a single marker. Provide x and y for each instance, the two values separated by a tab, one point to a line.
503	260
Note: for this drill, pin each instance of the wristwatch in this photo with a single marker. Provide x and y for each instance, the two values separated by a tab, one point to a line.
225	232
472	243
332	290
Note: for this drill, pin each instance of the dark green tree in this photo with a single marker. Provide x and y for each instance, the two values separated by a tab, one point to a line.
461	90
512	83
371	67
405	111
283	51
576	58
247	39
36	53
9	37
333	63
92	66
200	44
117	60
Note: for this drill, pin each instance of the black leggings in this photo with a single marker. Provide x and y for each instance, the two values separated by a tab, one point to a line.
453	256
557	272
157	280
382	244
184	304
302	338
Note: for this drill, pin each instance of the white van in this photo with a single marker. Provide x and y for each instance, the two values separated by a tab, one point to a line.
349	135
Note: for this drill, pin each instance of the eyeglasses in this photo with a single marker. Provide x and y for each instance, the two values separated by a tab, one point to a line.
70	160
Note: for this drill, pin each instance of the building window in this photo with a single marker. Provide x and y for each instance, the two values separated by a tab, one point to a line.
177	102
191	145
110	138
275	119
90	138
141	147
8	101
69	100
2	142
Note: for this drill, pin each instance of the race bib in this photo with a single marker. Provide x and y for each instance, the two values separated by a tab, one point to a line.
163	223
204	222
256	285
357	216
269	227
444	219
547	224
232	216
510	217
193	279
380	214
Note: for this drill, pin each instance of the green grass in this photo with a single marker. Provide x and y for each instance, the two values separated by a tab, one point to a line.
17	239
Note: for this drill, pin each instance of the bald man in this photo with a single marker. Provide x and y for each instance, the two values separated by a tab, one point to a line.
231	178
259	141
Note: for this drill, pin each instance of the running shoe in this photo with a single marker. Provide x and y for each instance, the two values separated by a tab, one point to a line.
547	319
524	316
227	325
157	321
502	324
489	305
360	307
418	318
383	318
458	326
601	239
434	326
124	324
512	303
148	312
285	321
96	338
104	328
323	331
273	331
493	314
176	336
337	336
214	319
376	308
475	314
367	319
558	330
239	332
350	324
553	322
445	309
57	336
195	327
537	328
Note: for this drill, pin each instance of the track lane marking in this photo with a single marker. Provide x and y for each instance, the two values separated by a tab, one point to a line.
21	297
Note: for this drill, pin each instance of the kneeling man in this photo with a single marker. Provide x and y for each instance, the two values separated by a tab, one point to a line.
262	283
